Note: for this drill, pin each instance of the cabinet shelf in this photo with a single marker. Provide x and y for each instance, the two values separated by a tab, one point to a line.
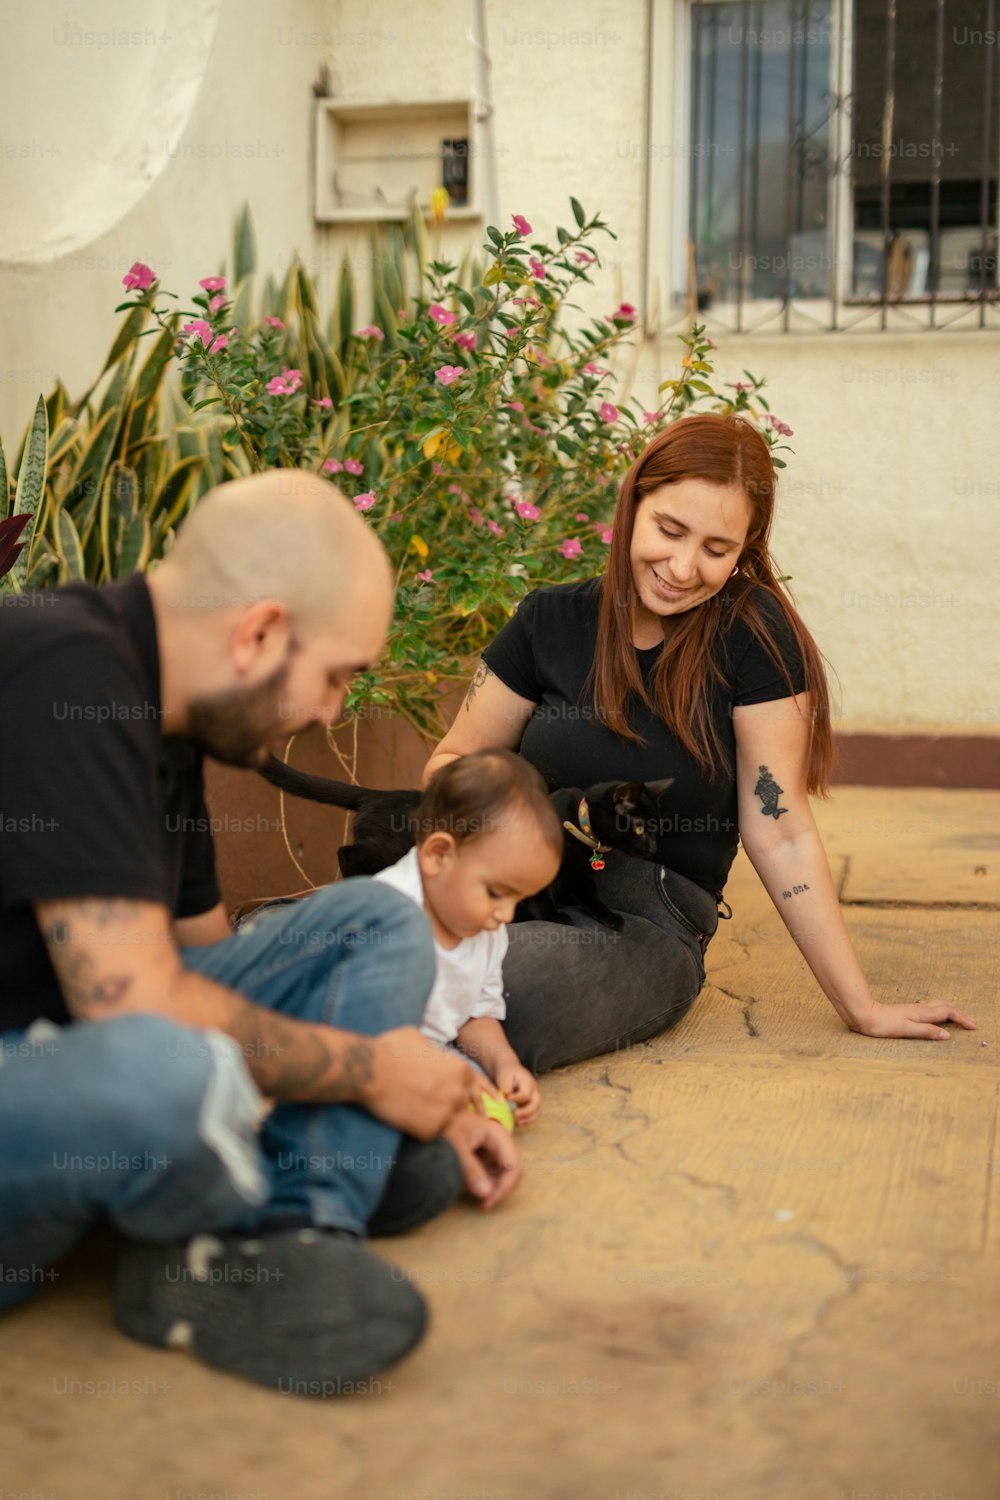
371	158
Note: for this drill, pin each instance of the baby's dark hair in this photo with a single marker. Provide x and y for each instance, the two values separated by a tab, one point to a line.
470	796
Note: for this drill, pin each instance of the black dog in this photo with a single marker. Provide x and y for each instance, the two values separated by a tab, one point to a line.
620	816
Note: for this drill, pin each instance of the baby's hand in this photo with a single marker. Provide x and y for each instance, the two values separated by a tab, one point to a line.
518	1083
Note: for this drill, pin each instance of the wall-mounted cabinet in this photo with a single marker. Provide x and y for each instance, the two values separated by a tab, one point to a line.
370	159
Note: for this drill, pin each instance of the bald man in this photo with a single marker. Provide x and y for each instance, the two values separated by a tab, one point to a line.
140	1037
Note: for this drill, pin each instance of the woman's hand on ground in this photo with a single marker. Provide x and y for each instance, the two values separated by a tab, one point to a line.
922	1020
491	1163
418	1087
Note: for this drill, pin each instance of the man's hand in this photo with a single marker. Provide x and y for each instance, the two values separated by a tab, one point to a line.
521	1089
916	1020
491	1163
417	1086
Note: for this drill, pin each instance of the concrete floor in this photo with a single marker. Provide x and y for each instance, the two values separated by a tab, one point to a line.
756	1257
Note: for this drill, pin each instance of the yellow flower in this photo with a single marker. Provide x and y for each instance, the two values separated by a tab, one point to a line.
419	546
433	442
440	200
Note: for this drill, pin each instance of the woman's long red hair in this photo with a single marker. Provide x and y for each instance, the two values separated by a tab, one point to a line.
724	450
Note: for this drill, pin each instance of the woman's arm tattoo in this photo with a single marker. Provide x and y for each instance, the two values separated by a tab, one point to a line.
479	677
768	790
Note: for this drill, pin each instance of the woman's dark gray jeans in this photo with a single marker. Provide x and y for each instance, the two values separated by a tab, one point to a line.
577	991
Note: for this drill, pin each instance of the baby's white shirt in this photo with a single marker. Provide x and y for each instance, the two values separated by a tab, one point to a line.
469	981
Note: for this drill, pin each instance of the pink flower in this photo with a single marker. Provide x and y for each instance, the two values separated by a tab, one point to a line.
571	547
711	344
274	322
285	384
222	342
609	412
526	302
365	501
521	224
333	466
370	331
515	406
323	402
581	515
448	373
741	385
426	576
352	466
650	416
216	302
456	489
492	526
213	283
606	536
139	277
465	340
397	515
527	511
475	515
537	269
780	426
591	369
198	329
584	258
437	469
442	315
625	313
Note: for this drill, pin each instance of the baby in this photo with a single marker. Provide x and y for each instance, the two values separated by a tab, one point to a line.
486	836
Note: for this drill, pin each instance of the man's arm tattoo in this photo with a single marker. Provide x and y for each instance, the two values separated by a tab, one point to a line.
288	1063
479	677
768	790
83	990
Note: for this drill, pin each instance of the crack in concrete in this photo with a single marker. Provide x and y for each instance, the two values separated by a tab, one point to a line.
849	1270
746	1001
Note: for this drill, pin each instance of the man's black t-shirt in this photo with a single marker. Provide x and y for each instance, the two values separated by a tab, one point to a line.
94	801
545	652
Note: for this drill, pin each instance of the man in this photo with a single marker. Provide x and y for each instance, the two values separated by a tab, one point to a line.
141	1036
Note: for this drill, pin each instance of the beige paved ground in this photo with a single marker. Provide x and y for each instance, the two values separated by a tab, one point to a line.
756	1257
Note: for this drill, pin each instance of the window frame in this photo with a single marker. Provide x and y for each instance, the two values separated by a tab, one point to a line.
667	295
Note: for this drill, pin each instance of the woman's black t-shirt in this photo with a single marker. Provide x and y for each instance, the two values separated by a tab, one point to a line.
545	652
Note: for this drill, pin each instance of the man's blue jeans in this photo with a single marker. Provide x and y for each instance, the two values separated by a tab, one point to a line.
158	1126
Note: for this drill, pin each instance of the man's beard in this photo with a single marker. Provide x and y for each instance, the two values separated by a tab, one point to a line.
236	727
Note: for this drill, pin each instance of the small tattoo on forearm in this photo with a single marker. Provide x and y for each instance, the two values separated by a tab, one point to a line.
796	889
768	790
479	677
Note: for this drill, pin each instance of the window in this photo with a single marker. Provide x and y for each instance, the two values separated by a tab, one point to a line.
841	167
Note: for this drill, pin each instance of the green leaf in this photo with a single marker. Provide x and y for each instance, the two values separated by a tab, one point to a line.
133	547
578	213
494	275
31	484
69	547
244	249
176	487
4	487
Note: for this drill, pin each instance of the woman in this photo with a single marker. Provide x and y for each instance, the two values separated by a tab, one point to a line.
684	659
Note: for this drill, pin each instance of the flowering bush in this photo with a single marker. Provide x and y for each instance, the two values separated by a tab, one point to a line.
472	423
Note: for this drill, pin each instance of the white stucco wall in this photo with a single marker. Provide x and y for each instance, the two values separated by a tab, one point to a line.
888	521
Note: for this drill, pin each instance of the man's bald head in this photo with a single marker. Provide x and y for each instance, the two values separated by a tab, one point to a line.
287	535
